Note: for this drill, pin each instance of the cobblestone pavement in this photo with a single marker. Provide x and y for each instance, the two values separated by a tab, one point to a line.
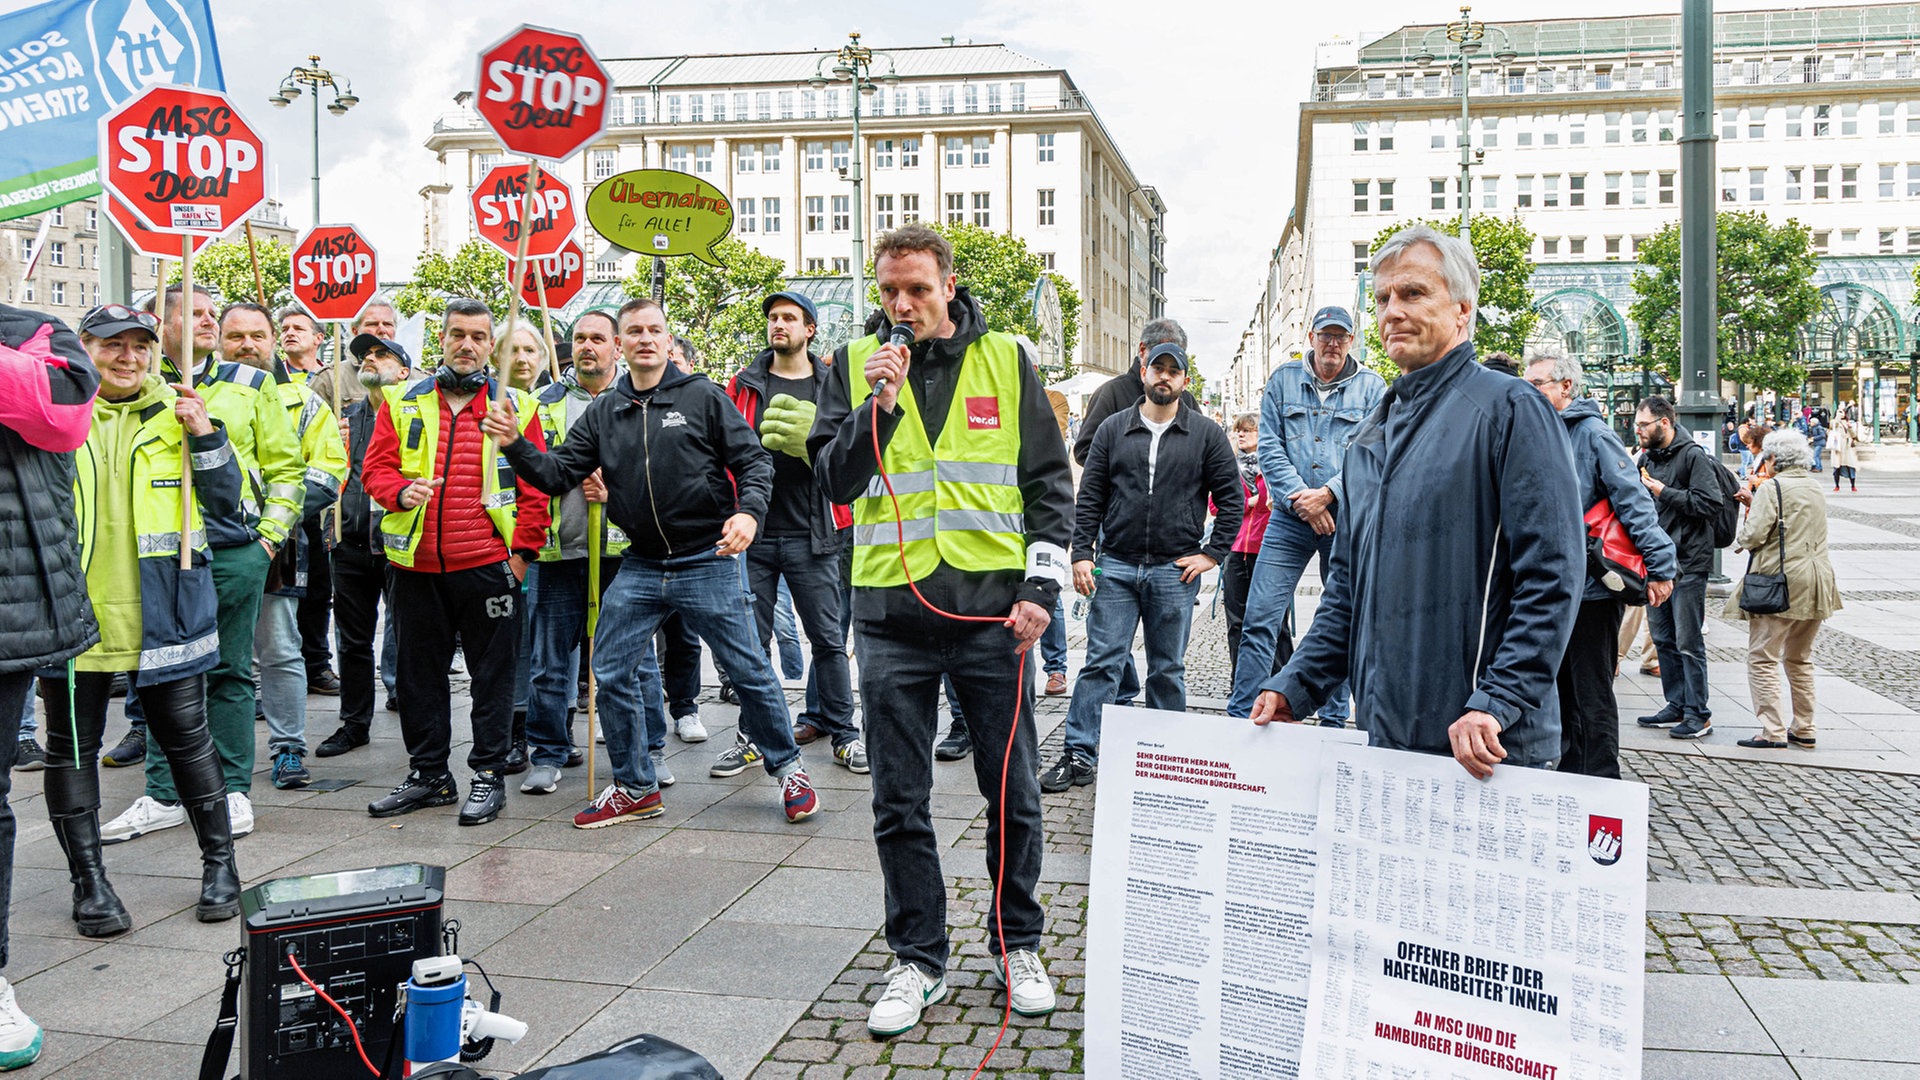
1728	822
830	1041
1782	948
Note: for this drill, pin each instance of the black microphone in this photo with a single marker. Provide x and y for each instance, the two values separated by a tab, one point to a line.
901	334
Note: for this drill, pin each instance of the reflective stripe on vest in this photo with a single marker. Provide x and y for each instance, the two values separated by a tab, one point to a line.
959	499
415	411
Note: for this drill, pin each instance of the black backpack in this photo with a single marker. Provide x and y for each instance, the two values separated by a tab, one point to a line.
1726	523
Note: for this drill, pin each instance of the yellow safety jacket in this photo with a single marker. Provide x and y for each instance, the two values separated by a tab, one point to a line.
416	423
960	501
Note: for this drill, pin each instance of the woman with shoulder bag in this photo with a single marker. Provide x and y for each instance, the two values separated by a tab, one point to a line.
1789	590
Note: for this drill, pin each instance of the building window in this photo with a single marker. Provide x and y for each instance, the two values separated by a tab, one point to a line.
842	265
1576	246
816	156
883	212
956	208
770	157
983	209
1044	143
59	292
1385	190
93	221
842	155
677	158
842	213
56	253
832	100
1793	185
1849	181
971	96
1550	192
1376	86
1489	193
697	109
1045	202
1577	189
673	108
1795	122
1543	81
1603	76
745	212
1640	188
1523	193
910	153
1362	189
816	213
956	152
1822	240
605	164
1613	127
1577	131
703	159
1490	132
27	291
1913	181
1437	194
763	105
769	215
1516	80
909	209
1017	96
923	100
1850	119
747	158
739	106
1822	182
484	164
1550	247
883	154
816	266
946	99
1361	141
719	107
983	149
1756	185
1360	256
1729	185
1046	257
809	104
1385	138
1729	124
1756	123
786	104
1822	121
1886	241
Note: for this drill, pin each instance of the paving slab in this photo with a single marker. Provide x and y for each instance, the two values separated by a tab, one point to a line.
734	1033
1833	905
1853	1021
1701	1012
1689	1065
785	960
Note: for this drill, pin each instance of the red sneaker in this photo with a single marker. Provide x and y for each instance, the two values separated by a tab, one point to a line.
614	805
796	793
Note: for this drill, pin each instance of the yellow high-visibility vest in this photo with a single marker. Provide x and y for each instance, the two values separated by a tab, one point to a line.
416	421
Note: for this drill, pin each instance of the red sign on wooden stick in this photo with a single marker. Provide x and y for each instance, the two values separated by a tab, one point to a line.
565	272
499	202
183	160
335	273
154	245
543	93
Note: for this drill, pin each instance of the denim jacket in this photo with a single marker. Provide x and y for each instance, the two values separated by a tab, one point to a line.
1303	439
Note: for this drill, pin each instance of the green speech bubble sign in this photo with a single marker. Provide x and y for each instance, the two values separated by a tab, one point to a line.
661	212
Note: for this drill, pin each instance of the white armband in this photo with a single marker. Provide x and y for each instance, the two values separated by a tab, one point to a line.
1048	561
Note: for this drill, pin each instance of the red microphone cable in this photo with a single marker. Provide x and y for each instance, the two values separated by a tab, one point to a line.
1006	756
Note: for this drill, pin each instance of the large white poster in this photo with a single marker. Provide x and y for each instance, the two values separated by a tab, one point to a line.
1200	895
1468	929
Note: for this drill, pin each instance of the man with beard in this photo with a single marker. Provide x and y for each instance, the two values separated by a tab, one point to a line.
459	533
1141	521
359	559
1678	472
246	337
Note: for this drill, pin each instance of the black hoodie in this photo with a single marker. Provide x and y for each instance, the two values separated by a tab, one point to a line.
665	454
842	448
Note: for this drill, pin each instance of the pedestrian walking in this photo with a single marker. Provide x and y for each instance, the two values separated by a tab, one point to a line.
1785	533
1461	541
1843	438
1236	576
1141	522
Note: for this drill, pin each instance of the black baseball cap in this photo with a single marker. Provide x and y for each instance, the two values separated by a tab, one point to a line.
109	320
1169	349
363	344
794	298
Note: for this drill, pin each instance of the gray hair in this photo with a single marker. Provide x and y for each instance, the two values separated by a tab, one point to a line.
1789	449
379	300
1458	266
1565	368
1162	332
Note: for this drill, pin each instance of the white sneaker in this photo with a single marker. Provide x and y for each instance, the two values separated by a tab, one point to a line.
909	991
689	728
239	813
661	774
1031	990
20	1037
146	815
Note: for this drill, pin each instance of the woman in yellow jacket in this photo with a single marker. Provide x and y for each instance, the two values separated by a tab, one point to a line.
157	620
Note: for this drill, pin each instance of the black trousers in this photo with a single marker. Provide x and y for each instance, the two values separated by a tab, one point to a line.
1589	716
359	581
14	689
1236	578
479	608
678	649
318	603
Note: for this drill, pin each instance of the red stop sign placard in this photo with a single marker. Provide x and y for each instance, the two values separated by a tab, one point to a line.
154	245
335	272
565	272
543	92
183	160
498	203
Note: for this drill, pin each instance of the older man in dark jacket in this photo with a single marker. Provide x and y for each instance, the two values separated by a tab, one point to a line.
1602	472
47	385
1451	597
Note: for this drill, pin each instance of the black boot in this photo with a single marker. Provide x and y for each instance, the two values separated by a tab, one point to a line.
96	908
219	877
517	748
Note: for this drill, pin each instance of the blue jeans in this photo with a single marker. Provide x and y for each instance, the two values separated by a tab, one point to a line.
1154	599
559	631
1676	627
1053	643
710	593
1284	552
283	673
901	665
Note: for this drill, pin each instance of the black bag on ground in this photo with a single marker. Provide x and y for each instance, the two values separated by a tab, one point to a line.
647	1057
1766	594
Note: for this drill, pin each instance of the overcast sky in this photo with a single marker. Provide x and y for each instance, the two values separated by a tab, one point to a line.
1201	97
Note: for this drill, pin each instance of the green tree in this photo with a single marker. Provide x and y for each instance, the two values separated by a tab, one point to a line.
1000	271
716	307
1766	296
225	267
477	271
1505	317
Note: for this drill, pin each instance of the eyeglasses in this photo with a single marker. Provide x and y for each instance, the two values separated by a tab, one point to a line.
121	313
1332	335
1642	425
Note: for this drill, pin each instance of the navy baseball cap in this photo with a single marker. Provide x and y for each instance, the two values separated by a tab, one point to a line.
1169	349
363	344
794	298
1332	316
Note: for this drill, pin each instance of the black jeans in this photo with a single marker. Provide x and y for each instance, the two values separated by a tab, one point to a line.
815	584
359	580
678	649
14	688
479	607
1589	716
318	603
901	663
1236	579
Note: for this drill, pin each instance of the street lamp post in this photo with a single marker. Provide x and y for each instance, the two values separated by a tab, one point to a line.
854	63
1467	37
315	77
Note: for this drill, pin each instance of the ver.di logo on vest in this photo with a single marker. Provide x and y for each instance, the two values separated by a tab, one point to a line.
983	413
142	43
